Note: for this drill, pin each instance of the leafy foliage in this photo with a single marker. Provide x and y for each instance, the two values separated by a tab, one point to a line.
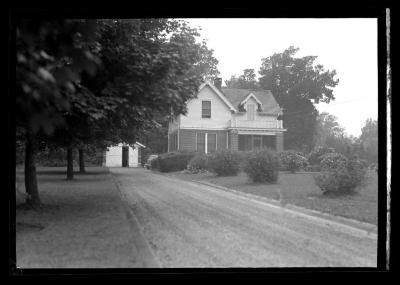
245	81
294	83
314	157
340	175
224	162
199	163
369	141
327	127
172	161
262	166
51	57
333	161
292	160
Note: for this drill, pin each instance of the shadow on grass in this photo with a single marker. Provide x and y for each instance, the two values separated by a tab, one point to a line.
336	195
64	172
40	208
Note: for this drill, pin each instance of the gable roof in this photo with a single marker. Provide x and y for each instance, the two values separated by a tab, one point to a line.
220	94
251	95
237	96
139	144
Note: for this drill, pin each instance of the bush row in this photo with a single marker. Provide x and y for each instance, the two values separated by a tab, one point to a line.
172	161
336	172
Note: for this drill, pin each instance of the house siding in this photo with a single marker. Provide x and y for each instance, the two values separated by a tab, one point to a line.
172	137
220	113
234	140
187	138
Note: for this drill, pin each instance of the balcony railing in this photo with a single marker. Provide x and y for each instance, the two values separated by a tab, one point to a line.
276	124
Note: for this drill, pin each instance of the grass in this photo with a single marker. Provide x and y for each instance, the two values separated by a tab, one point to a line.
80	224
299	189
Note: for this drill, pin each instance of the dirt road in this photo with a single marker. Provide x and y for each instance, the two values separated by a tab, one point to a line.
192	225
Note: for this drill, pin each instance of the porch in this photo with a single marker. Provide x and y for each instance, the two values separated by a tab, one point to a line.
245	140
254	142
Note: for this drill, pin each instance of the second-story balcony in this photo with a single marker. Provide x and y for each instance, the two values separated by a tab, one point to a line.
257	124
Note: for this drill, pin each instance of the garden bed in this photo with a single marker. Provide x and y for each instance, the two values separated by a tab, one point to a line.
299	189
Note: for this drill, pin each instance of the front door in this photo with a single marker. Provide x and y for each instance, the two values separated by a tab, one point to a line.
125	156
256	142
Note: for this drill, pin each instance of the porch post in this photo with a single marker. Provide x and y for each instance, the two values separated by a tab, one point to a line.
234	140
279	142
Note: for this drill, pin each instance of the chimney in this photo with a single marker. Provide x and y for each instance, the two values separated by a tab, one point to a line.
218	82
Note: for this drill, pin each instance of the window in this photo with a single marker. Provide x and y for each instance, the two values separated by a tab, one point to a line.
201	142
206	109
211	142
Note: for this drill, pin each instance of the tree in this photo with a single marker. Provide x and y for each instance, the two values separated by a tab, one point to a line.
169	65
245	81
329	133
327	126
369	140
295	82
107	89
51	55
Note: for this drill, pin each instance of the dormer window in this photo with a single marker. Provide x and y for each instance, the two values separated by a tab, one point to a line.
206	109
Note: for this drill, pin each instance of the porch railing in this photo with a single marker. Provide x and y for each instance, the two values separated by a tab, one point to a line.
276	124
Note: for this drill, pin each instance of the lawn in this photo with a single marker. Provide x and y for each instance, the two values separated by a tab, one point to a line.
299	189
80	224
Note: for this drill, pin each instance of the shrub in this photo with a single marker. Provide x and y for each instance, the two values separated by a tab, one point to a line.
172	161
292	160
198	163
313	168
262	166
224	162
333	161
314	157
340	175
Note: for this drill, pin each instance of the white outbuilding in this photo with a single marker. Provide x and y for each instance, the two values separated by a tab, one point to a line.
123	155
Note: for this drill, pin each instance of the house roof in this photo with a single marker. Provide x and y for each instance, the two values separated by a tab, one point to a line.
236	96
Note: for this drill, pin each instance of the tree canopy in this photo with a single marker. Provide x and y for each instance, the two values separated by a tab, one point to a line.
105	81
296	82
369	140
245	81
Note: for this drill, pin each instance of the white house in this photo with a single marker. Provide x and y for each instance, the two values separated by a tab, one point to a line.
225	118
123	155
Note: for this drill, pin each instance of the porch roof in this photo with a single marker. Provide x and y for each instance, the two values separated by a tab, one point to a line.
243	131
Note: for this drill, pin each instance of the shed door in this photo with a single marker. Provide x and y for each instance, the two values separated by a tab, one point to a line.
125	156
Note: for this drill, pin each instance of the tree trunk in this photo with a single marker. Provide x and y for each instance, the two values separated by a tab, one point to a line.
70	164
31	186
81	161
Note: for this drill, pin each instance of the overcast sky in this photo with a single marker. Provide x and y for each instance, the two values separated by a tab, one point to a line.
347	45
